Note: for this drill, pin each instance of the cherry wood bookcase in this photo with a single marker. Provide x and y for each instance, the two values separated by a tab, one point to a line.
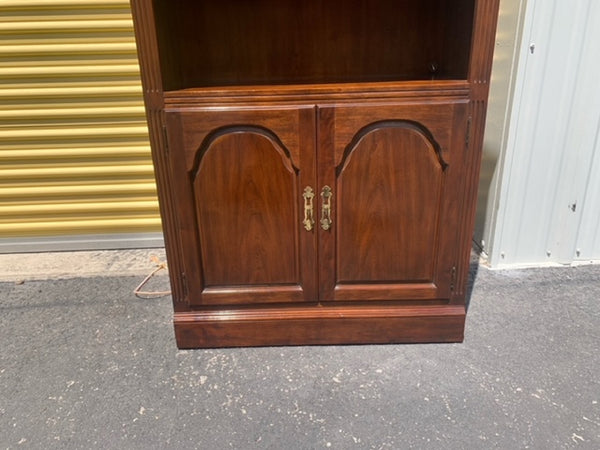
317	164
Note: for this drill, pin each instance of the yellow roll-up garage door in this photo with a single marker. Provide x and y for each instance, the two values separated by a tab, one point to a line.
75	165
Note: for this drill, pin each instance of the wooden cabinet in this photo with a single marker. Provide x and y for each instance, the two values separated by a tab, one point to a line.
316	164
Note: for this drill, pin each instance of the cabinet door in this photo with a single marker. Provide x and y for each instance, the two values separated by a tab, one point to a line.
239	176
397	178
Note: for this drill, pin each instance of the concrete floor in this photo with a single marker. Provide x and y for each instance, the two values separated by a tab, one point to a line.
86	364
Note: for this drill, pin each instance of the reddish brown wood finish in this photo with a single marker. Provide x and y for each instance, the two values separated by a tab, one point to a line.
245	190
320	325
239	202
323	93
268	42
397	173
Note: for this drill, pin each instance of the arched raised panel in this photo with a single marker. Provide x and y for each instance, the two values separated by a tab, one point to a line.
245	199
389	188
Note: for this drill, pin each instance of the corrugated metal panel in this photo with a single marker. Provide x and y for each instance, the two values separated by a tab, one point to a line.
587	246
74	151
549	204
588	238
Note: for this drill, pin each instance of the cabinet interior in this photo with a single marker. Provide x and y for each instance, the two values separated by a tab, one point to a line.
207	43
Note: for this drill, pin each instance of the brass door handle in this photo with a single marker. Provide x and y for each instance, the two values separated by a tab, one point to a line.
308	221
326	194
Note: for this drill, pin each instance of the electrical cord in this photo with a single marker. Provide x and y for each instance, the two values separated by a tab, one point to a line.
160	265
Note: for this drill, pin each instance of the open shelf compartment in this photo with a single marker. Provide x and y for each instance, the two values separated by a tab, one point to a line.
206	43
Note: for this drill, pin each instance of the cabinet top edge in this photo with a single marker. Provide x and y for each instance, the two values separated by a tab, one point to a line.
320	92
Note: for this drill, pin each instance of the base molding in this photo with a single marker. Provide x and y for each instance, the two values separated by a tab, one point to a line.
319	325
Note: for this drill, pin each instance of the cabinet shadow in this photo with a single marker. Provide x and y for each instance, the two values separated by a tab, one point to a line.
472	276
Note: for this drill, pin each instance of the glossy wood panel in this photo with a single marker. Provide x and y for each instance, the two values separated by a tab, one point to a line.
320	325
395	185
240	204
389	189
245	191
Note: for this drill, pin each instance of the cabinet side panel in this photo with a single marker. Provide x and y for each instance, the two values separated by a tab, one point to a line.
482	47
482	51
143	17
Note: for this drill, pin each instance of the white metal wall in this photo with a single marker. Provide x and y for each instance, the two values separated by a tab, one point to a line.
548	207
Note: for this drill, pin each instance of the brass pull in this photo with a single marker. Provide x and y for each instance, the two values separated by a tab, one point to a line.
326	208
308	208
